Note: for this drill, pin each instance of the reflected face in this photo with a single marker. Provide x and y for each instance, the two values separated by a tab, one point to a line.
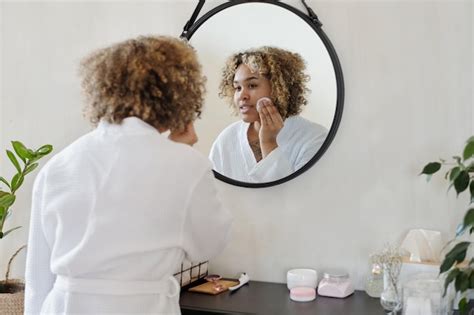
249	88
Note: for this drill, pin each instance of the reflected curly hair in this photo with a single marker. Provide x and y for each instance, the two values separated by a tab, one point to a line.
284	69
155	78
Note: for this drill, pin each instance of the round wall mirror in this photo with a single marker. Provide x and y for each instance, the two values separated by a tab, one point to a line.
239	26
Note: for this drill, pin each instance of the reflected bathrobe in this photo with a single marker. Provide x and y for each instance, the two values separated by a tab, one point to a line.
298	141
113	215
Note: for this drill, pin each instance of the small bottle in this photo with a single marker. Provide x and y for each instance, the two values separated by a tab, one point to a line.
335	283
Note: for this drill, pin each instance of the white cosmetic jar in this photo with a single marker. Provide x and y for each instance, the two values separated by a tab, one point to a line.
301	278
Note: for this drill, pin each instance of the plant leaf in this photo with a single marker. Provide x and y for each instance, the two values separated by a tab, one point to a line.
454	173
30	168
456	254
462	282
11	230
468	149
431	168
21	151
450	278
3	180
461	182
468	219
4	213
446	264
462	305
34	155
17	180
460	229
12	158
471	188
45	149
7	200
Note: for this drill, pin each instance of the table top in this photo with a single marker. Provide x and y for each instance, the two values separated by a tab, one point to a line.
274	298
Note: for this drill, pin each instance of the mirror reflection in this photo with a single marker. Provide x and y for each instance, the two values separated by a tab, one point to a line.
257	26
267	88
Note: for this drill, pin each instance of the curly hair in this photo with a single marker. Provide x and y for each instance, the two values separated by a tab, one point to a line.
155	78
284	69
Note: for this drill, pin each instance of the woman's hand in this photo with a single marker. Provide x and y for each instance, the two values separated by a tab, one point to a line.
269	126
188	136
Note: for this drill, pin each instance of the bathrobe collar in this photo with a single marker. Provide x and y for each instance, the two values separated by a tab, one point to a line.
130	125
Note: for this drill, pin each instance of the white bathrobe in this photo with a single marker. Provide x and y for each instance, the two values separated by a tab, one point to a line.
113	215
298	141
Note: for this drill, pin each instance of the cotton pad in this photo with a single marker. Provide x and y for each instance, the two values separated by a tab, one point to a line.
261	101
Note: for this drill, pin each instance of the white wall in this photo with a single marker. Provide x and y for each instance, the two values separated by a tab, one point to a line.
408	72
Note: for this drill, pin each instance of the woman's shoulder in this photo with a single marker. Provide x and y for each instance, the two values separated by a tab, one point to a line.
297	125
301	122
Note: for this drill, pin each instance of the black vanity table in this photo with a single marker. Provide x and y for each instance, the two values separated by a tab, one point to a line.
274	299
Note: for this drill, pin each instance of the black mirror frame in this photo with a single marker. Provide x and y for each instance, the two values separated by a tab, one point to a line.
312	20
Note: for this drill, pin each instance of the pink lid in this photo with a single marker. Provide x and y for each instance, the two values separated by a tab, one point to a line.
303	292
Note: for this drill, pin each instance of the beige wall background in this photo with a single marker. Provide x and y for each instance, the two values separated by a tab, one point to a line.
408	69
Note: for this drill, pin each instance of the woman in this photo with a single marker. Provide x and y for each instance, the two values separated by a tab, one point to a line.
267	85
115	212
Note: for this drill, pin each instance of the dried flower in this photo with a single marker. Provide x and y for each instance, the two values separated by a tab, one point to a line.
391	261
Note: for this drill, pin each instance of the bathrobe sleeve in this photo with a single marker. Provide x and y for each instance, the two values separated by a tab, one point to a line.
38	275
217	156
207	223
311	142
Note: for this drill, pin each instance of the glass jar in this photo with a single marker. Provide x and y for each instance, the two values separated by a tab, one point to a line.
390	298
374	281
335	283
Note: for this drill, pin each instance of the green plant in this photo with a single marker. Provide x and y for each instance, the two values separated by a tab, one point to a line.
461	177
29	158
